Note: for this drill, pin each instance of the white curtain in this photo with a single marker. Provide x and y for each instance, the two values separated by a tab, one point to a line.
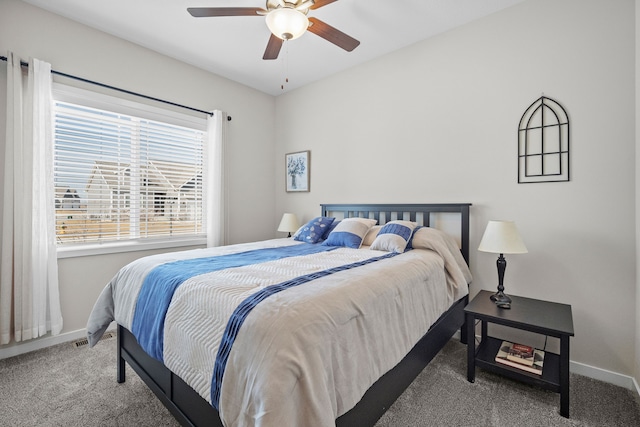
215	209
29	296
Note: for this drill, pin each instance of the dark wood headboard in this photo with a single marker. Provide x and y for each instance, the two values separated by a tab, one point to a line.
420	213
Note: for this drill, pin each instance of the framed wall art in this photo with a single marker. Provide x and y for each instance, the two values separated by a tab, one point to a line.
297	171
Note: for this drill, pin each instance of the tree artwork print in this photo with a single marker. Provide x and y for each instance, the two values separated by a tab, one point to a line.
297	165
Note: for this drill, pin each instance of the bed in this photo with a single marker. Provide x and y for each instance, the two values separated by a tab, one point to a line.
273	361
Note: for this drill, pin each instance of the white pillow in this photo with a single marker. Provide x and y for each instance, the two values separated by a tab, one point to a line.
349	232
371	235
394	236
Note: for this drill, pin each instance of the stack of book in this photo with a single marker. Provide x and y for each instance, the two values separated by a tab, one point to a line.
521	356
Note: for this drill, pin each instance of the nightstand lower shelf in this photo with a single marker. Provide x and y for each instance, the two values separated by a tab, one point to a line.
549	380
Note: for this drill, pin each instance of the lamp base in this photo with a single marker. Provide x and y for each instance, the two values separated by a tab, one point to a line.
500	298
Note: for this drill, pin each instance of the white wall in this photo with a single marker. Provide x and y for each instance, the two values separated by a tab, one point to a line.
76	49
437	122
637	157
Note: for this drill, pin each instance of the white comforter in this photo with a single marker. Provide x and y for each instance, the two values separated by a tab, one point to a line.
306	355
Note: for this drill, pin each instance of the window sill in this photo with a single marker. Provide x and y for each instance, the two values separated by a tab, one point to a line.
127	246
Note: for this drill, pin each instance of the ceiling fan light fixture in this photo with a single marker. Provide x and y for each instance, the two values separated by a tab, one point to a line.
287	23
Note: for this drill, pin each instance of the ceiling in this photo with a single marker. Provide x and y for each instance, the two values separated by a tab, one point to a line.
233	46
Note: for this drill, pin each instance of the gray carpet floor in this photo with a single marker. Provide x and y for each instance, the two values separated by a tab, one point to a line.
69	386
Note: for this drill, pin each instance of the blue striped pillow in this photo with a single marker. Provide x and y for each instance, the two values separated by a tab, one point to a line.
349	232
394	236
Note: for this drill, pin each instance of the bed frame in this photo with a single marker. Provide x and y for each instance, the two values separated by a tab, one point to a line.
191	410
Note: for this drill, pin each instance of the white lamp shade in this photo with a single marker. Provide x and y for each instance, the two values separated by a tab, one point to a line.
502	237
289	223
287	23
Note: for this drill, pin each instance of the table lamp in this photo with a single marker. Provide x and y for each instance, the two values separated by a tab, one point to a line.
502	237
289	223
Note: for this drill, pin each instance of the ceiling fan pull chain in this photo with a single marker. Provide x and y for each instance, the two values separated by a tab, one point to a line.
285	64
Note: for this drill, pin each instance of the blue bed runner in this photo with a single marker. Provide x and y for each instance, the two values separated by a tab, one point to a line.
161	283
242	311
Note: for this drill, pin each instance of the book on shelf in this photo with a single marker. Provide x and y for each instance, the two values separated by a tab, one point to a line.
520	353
517	360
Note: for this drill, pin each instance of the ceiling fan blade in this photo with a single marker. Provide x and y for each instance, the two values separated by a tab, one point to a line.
332	34
319	3
273	48
203	12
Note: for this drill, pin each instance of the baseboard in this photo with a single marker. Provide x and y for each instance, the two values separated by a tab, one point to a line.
16	349
610	377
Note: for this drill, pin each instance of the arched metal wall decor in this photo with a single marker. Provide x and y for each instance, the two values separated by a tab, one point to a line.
543	143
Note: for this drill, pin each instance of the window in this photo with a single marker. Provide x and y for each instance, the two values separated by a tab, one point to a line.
125	177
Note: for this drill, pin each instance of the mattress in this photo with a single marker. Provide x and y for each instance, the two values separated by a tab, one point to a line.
281	332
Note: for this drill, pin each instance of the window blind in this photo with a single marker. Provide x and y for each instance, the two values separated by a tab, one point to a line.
122	177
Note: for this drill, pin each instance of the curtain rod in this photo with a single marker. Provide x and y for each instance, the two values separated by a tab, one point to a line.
59	73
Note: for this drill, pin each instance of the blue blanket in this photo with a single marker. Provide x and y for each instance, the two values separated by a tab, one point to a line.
161	283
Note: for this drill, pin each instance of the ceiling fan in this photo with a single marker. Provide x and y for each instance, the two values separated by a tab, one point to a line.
287	20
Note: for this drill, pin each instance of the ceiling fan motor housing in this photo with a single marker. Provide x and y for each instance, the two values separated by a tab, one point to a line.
287	23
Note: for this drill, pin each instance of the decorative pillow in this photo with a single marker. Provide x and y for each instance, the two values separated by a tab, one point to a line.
394	236
314	231
350	232
371	235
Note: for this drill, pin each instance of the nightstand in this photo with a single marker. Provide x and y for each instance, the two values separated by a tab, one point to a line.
541	317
